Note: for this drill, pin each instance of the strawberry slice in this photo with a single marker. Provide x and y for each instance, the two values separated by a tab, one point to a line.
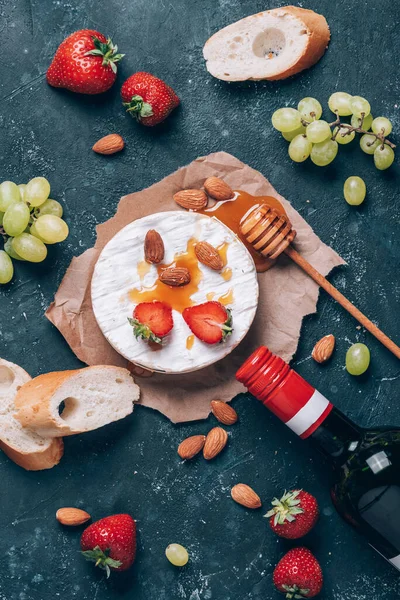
152	321
211	322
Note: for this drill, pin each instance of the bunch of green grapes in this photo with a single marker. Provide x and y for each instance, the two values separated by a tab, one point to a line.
29	220
309	136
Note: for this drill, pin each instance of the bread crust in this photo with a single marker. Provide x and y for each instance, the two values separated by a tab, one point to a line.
36	461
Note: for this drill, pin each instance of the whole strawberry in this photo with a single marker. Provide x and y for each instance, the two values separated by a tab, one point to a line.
298	574
294	515
148	98
85	62
110	543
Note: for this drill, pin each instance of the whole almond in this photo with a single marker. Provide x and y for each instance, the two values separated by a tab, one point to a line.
175	276
153	247
191	446
323	349
208	255
191	199
72	516
110	144
215	442
218	189
244	495
223	412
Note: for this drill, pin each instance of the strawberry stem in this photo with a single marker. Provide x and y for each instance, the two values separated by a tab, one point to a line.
138	108
286	508
102	559
108	51
140	330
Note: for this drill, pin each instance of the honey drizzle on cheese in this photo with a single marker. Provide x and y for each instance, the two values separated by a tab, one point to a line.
189	342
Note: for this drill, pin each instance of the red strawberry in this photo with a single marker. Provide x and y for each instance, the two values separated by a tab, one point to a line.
294	515
298	574
84	63
211	322
148	98
152	321
110	543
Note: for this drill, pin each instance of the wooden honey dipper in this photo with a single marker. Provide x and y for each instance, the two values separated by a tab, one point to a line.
270	234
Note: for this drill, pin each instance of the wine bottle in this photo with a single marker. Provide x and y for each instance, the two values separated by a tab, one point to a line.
366	462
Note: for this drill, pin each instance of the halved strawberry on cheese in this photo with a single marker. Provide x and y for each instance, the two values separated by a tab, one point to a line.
210	322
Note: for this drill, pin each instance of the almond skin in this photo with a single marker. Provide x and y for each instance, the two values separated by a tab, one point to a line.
72	517
323	349
153	247
208	255
223	412
244	495
175	276
110	144
218	189
191	446
215	442
191	199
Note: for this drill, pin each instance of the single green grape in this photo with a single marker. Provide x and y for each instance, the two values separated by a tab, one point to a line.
357	359
366	124
1	218
29	247
50	207
6	267
10	250
16	218
354	190
342	135
21	187
324	153
360	106
290	135
33	231
339	103
383	157
37	191
382	123
9	194
286	119
177	555
300	148
318	131
368	143
310	109
51	229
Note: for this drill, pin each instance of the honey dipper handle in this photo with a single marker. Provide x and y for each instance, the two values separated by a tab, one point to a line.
328	287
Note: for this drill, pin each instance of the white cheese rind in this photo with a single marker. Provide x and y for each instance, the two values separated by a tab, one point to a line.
116	273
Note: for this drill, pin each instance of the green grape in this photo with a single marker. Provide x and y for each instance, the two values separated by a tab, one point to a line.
369	143
33	231
383	157
366	124
357	359
37	191
21	187
286	119
16	218
51	229
382	123
1	218
339	103
310	109
10	250
318	131
9	194
300	148
29	247
354	190
6	267
324	153
50	207
342	136
177	555
290	135
360	105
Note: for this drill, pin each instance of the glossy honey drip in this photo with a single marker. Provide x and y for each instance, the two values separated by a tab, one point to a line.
189	342
143	268
223	252
226	298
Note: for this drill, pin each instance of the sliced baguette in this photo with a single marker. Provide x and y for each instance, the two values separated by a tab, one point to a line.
273	44
87	399
26	448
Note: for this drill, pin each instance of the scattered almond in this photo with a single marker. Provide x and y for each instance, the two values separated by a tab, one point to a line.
218	189
191	446
208	255
175	276
110	144
244	495
323	349
191	199
72	516
215	442
153	247
223	412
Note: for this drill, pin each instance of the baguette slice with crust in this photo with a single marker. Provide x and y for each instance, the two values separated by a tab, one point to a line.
86	398
26	448
273	44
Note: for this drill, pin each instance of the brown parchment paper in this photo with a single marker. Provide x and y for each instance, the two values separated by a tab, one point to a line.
287	294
